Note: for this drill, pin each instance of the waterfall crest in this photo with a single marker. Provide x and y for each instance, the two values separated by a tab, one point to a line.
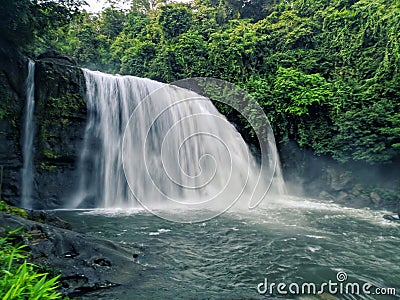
28	134
162	146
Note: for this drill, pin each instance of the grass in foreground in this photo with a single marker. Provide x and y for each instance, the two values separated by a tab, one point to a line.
20	279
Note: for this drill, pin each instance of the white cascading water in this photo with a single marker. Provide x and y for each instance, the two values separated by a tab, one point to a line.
177	149
28	134
110	101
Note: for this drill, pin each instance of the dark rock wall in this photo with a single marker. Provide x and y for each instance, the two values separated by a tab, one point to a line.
13	71
354	183
60	124
60	117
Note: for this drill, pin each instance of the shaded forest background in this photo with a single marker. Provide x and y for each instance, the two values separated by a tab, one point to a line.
326	72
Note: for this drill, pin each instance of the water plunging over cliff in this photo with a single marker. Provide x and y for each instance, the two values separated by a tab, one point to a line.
178	151
28	134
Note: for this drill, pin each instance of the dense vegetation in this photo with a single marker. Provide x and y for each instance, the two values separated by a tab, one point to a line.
20	279
326	72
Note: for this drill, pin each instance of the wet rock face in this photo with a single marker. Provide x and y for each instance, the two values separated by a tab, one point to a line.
48	218
56	57
60	123
352	184
87	264
60	117
13	71
11	163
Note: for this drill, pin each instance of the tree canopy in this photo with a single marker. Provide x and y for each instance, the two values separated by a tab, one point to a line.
325	72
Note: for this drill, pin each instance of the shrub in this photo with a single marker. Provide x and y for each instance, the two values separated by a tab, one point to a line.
19	279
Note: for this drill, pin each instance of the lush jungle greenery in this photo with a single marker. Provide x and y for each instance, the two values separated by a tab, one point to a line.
20	279
326	72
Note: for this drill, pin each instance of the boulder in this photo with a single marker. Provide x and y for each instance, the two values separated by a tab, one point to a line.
375	198
339	181
342	196
56	57
86	263
392	218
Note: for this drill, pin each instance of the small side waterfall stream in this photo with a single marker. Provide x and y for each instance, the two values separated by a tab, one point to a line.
28	134
177	151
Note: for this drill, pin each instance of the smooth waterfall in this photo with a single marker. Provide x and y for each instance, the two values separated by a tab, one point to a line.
110	101
28	134
162	146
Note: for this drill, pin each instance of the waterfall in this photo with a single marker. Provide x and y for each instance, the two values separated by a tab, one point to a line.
28	134
162	146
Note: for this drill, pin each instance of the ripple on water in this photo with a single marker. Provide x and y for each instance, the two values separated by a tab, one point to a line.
226	257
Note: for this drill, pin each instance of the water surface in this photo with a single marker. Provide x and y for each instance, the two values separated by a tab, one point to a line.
293	240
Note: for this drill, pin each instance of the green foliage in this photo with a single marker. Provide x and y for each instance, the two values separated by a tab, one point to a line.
23	22
325	72
370	133
55	117
232	52
3	112
174	19
12	209
145	6
190	51
137	59
47	167
19	279
253	9
300	91
16	18
5	97
112	23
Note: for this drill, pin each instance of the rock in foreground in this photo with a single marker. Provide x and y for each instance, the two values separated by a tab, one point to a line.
86	263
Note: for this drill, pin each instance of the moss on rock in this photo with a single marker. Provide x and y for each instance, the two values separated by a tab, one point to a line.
4	207
60	106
